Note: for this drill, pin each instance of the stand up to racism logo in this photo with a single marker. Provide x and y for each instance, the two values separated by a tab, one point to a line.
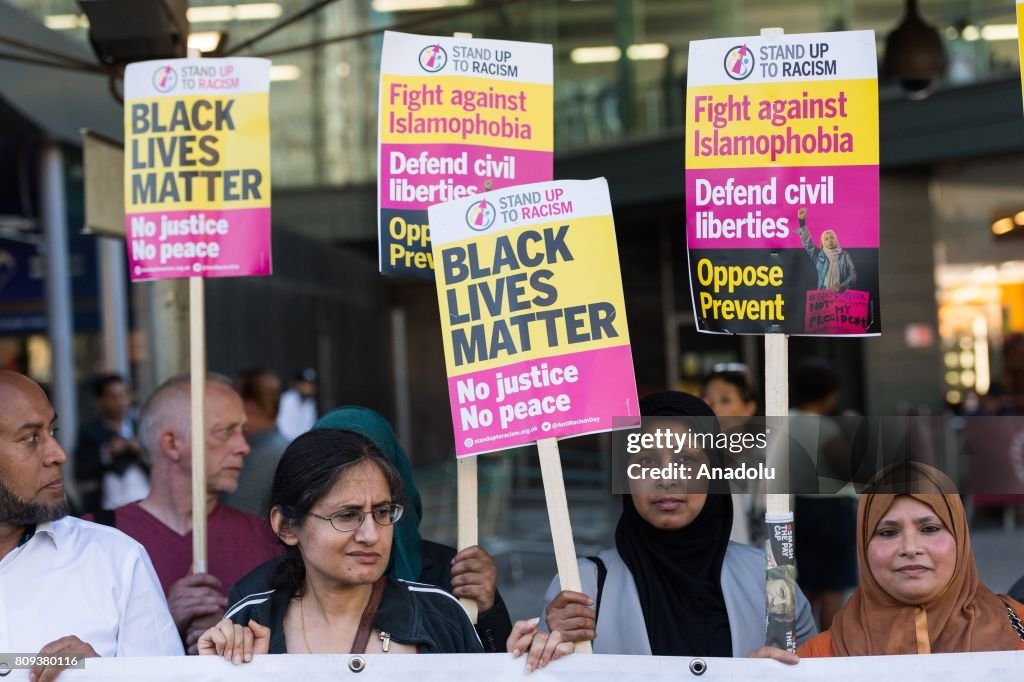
739	62
165	79
481	215
433	58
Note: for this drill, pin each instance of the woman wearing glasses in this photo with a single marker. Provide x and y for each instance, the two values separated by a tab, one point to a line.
334	503
470	573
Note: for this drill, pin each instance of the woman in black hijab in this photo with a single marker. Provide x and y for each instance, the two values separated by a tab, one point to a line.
673	585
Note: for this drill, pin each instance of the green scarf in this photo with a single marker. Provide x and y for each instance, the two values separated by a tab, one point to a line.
406	559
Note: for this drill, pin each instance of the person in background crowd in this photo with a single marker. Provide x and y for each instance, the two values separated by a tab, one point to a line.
673	585
728	389
260	390
824	524
334	505
920	591
297	412
109	469
236	542
67	587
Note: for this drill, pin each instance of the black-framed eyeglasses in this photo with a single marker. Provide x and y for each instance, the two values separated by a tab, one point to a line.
348	520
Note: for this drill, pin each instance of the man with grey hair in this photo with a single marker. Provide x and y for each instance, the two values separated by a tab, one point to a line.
68	587
236	542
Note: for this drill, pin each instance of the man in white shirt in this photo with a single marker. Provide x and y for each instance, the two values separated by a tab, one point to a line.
67	587
297	412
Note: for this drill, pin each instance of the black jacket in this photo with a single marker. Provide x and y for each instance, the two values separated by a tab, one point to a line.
421	615
493	625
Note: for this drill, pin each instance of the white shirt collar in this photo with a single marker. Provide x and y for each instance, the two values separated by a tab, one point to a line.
50	530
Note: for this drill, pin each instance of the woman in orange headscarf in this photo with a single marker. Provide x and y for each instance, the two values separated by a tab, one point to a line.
920	592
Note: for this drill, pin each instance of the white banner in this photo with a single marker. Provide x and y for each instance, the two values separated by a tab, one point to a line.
502	668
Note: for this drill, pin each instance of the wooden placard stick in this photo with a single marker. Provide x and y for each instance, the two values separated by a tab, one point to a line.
778	511
468	493
558	517
468	516
197	352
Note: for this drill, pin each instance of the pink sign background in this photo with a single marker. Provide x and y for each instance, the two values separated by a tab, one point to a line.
243	250
605	389
852	211
530	167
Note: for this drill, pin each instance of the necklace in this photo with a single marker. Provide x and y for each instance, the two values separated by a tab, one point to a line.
365	622
302	621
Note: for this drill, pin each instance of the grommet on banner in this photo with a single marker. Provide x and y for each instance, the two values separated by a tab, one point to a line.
698	666
357	664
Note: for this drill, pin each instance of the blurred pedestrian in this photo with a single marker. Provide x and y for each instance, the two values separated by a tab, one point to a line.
109	468
298	412
728	389
825	523
260	390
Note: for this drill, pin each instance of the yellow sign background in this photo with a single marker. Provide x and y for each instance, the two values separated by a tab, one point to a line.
539	103
861	120
592	276
245	147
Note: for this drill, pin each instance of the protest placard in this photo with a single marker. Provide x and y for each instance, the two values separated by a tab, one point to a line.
532	314
458	116
197	198
782	183
197	168
534	328
1020	36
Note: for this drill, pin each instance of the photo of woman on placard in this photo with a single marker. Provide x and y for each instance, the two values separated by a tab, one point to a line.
833	264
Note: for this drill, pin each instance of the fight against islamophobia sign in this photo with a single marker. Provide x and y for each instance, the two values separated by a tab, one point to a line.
197	168
536	345
782	184
458	117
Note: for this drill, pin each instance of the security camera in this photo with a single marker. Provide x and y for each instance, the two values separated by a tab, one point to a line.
123	31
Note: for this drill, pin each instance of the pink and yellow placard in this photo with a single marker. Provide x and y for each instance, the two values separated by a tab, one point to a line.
782	184
458	116
1020	37
532	314
197	168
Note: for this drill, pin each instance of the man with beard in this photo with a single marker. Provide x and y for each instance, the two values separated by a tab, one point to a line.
67	587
